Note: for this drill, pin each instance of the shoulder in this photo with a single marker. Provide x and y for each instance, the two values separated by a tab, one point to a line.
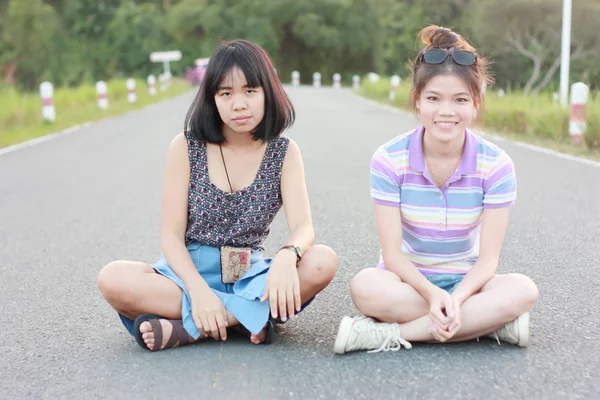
292	151
394	153
179	143
396	145
177	155
491	157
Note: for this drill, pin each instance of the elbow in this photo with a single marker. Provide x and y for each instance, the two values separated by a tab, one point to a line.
310	233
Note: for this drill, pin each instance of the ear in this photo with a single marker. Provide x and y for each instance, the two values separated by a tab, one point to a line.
416	100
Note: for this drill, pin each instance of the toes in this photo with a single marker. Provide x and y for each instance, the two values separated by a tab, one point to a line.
145	327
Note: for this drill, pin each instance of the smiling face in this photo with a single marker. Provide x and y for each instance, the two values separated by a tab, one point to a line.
446	107
240	107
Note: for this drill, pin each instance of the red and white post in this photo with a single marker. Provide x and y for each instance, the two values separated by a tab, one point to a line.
151	85
131	96
101	91
394	83
337	80
295	78
47	94
577	125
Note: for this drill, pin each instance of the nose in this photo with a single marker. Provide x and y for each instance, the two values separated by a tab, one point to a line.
447	109
239	103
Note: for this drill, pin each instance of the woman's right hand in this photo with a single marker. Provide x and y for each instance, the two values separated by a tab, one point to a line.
441	313
209	313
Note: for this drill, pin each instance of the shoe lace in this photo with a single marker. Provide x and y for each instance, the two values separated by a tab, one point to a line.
504	332
378	336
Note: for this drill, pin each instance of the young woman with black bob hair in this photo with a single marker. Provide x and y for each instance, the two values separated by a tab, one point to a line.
227	176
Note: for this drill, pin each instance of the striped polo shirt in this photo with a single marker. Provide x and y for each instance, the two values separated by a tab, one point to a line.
441	227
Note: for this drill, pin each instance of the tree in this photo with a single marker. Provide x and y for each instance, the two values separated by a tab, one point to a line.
26	36
532	29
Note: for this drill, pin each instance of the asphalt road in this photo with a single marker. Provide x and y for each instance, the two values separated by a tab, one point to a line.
70	205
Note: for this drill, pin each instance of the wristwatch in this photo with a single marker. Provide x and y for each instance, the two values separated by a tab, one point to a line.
295	249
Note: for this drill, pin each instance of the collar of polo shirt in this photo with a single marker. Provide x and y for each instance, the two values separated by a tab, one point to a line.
468	162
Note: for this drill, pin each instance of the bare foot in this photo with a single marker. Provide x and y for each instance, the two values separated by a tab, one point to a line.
262	335
167	328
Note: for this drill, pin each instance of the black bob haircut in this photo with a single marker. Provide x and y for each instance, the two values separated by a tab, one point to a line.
203	119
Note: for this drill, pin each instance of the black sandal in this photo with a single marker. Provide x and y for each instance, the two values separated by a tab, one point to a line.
179	335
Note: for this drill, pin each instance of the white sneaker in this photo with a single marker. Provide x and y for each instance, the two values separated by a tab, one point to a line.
515	332
363	333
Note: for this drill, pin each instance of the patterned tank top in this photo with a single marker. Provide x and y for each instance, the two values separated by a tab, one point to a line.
242	218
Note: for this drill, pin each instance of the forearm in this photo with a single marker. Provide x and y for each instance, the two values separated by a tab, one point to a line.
481	272
179	260
396	262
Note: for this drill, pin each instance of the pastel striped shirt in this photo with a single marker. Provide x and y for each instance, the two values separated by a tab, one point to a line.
441	226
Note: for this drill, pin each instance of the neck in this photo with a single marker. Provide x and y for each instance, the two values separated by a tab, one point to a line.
239	140
442	150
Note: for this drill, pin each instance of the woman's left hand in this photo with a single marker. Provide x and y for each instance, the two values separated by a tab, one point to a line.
456	324
283	286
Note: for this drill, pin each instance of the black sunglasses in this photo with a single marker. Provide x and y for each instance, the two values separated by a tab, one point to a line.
438	56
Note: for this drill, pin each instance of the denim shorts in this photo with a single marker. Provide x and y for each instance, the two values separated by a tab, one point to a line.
448	282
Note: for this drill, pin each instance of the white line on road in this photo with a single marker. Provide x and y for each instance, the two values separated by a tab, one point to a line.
516	143
44	138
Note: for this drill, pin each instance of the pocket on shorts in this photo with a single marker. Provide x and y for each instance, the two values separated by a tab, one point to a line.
194	248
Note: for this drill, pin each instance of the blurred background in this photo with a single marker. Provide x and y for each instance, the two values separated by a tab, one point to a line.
75	43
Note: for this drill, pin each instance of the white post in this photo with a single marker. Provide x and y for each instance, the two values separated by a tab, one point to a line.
565	53
501	93
162	79
356	81
101	91
317	79
373	77
131	96
295	78
577	126
47	93
337	79
151	85
395	82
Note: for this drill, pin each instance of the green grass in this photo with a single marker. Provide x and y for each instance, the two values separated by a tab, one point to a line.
21	113
530	119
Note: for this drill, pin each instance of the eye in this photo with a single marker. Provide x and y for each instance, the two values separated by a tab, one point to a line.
462	100
225	94
432	98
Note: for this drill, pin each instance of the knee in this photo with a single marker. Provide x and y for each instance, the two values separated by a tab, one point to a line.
526	292
362	288
322	263
113	284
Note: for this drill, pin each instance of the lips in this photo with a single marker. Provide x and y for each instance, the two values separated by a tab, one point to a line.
241	119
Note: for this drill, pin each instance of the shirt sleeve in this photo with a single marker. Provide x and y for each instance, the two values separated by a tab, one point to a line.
501	185
385	188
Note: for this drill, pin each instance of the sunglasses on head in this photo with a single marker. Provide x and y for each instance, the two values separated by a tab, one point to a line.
438	56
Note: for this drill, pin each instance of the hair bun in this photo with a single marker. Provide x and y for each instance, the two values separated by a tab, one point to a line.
434	36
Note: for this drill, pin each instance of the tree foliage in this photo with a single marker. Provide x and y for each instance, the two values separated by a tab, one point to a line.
70	41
